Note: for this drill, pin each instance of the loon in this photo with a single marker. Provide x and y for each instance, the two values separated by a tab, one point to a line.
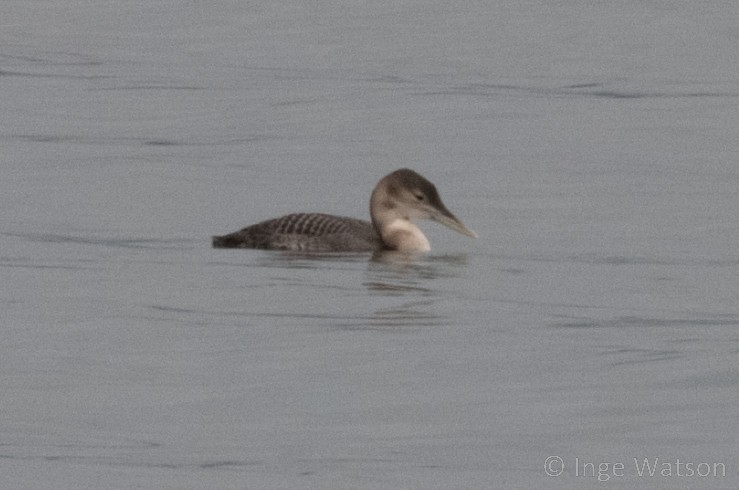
398	199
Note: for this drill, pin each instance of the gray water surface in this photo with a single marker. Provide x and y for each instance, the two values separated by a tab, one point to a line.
594	323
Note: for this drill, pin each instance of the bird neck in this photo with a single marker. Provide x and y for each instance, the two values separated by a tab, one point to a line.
394	227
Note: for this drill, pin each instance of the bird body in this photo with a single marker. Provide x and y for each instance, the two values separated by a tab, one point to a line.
315	232
397	200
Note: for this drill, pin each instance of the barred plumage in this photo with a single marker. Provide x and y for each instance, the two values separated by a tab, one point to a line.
305	231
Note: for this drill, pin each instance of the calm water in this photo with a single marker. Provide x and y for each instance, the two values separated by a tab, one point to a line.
593	326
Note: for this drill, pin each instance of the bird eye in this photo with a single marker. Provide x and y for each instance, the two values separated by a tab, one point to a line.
419	197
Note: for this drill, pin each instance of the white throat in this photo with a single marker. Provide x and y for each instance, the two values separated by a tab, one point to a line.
404	236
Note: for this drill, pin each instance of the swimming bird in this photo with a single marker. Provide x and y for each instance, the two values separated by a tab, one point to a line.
397	200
